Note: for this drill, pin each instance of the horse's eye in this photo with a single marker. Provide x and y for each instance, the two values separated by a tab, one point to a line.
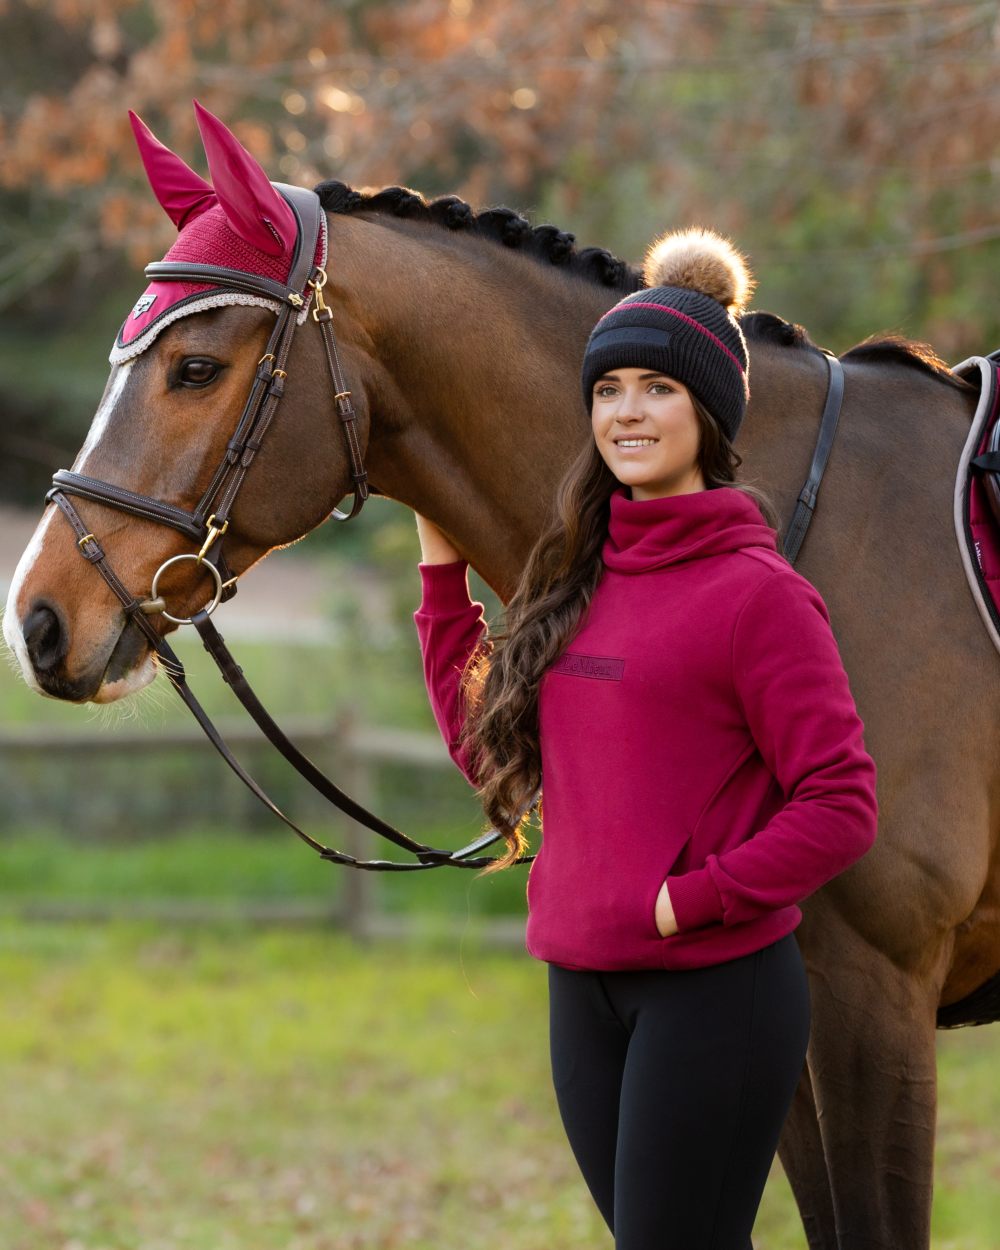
197	371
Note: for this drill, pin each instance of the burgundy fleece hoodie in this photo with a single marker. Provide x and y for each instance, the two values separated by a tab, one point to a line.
698	728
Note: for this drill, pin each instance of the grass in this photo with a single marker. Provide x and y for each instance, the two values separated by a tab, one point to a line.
225	868
221	1087
232	1089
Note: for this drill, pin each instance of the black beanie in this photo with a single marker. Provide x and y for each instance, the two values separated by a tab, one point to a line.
683	323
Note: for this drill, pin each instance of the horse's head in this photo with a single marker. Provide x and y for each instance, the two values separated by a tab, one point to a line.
197	371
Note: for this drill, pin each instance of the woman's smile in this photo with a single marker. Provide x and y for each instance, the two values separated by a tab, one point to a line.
634	444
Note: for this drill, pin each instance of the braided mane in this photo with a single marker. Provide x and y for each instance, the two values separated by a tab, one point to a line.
551	246
766	327
547	244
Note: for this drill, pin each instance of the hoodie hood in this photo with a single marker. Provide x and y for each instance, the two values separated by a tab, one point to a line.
646	534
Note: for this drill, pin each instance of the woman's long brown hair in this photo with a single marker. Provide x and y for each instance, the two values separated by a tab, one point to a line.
501	680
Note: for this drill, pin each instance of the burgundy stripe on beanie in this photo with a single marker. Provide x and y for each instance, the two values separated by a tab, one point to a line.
690	320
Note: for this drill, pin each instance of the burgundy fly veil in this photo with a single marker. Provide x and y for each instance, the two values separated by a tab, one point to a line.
240	224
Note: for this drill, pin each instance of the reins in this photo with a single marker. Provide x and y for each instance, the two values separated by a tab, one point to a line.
208	523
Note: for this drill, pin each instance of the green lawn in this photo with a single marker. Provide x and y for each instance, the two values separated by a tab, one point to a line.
222	867
230	1089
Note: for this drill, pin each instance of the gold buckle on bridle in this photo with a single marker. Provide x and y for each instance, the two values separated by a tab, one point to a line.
214	531
317	285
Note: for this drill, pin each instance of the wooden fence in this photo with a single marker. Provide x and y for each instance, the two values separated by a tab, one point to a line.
345	749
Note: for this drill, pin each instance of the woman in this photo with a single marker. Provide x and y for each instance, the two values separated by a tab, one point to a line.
704	764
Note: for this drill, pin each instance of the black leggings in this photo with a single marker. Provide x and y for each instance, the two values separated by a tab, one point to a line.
673	1087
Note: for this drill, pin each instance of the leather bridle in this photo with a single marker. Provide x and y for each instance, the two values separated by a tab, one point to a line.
208	523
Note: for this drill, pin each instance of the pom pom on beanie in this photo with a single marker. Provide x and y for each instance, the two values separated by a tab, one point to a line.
683	323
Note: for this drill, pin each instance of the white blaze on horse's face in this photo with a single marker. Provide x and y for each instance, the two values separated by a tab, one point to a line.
23	616
16	610
12	625
115	389
66	623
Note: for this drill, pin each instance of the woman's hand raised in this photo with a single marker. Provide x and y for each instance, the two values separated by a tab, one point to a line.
434	546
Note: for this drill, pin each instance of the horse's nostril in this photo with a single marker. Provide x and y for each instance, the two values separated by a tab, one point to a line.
44	638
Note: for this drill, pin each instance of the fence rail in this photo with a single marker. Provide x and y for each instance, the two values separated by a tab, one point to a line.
348	750
362	742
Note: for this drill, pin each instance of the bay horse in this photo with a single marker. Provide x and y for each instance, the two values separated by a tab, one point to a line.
461	335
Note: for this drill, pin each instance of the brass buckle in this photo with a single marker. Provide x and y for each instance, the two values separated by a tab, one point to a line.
321	305
214	531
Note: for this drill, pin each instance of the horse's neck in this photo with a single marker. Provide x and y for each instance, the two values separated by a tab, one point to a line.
483	349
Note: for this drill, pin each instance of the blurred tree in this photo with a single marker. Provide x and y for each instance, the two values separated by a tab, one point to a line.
846	145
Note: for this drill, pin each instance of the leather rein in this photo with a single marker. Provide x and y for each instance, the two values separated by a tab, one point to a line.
208	522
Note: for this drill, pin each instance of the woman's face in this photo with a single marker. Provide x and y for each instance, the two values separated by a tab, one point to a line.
638	404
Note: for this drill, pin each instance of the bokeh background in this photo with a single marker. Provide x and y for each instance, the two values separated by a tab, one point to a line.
210	1039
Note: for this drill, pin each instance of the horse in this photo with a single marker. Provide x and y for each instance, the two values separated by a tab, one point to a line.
461	334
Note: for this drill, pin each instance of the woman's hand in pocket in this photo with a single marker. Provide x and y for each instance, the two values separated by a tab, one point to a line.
666	923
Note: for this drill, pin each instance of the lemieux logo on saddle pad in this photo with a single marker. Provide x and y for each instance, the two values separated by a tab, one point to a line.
601	667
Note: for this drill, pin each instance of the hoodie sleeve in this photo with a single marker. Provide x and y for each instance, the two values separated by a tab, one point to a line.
450	624
794	691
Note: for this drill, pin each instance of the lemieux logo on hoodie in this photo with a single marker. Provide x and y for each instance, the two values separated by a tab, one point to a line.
602	667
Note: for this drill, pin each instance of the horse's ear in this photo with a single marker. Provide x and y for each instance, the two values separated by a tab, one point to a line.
253	207
183	194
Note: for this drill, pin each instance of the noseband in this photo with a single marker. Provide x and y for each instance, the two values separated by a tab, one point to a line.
208	523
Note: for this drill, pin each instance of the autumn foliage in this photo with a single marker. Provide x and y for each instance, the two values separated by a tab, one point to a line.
846	146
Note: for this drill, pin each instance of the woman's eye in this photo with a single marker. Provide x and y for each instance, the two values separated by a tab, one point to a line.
197	371
660	386
603	391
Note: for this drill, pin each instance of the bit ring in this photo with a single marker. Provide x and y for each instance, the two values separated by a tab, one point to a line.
186	620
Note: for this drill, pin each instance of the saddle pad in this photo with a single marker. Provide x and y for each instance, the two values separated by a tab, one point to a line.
975	526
